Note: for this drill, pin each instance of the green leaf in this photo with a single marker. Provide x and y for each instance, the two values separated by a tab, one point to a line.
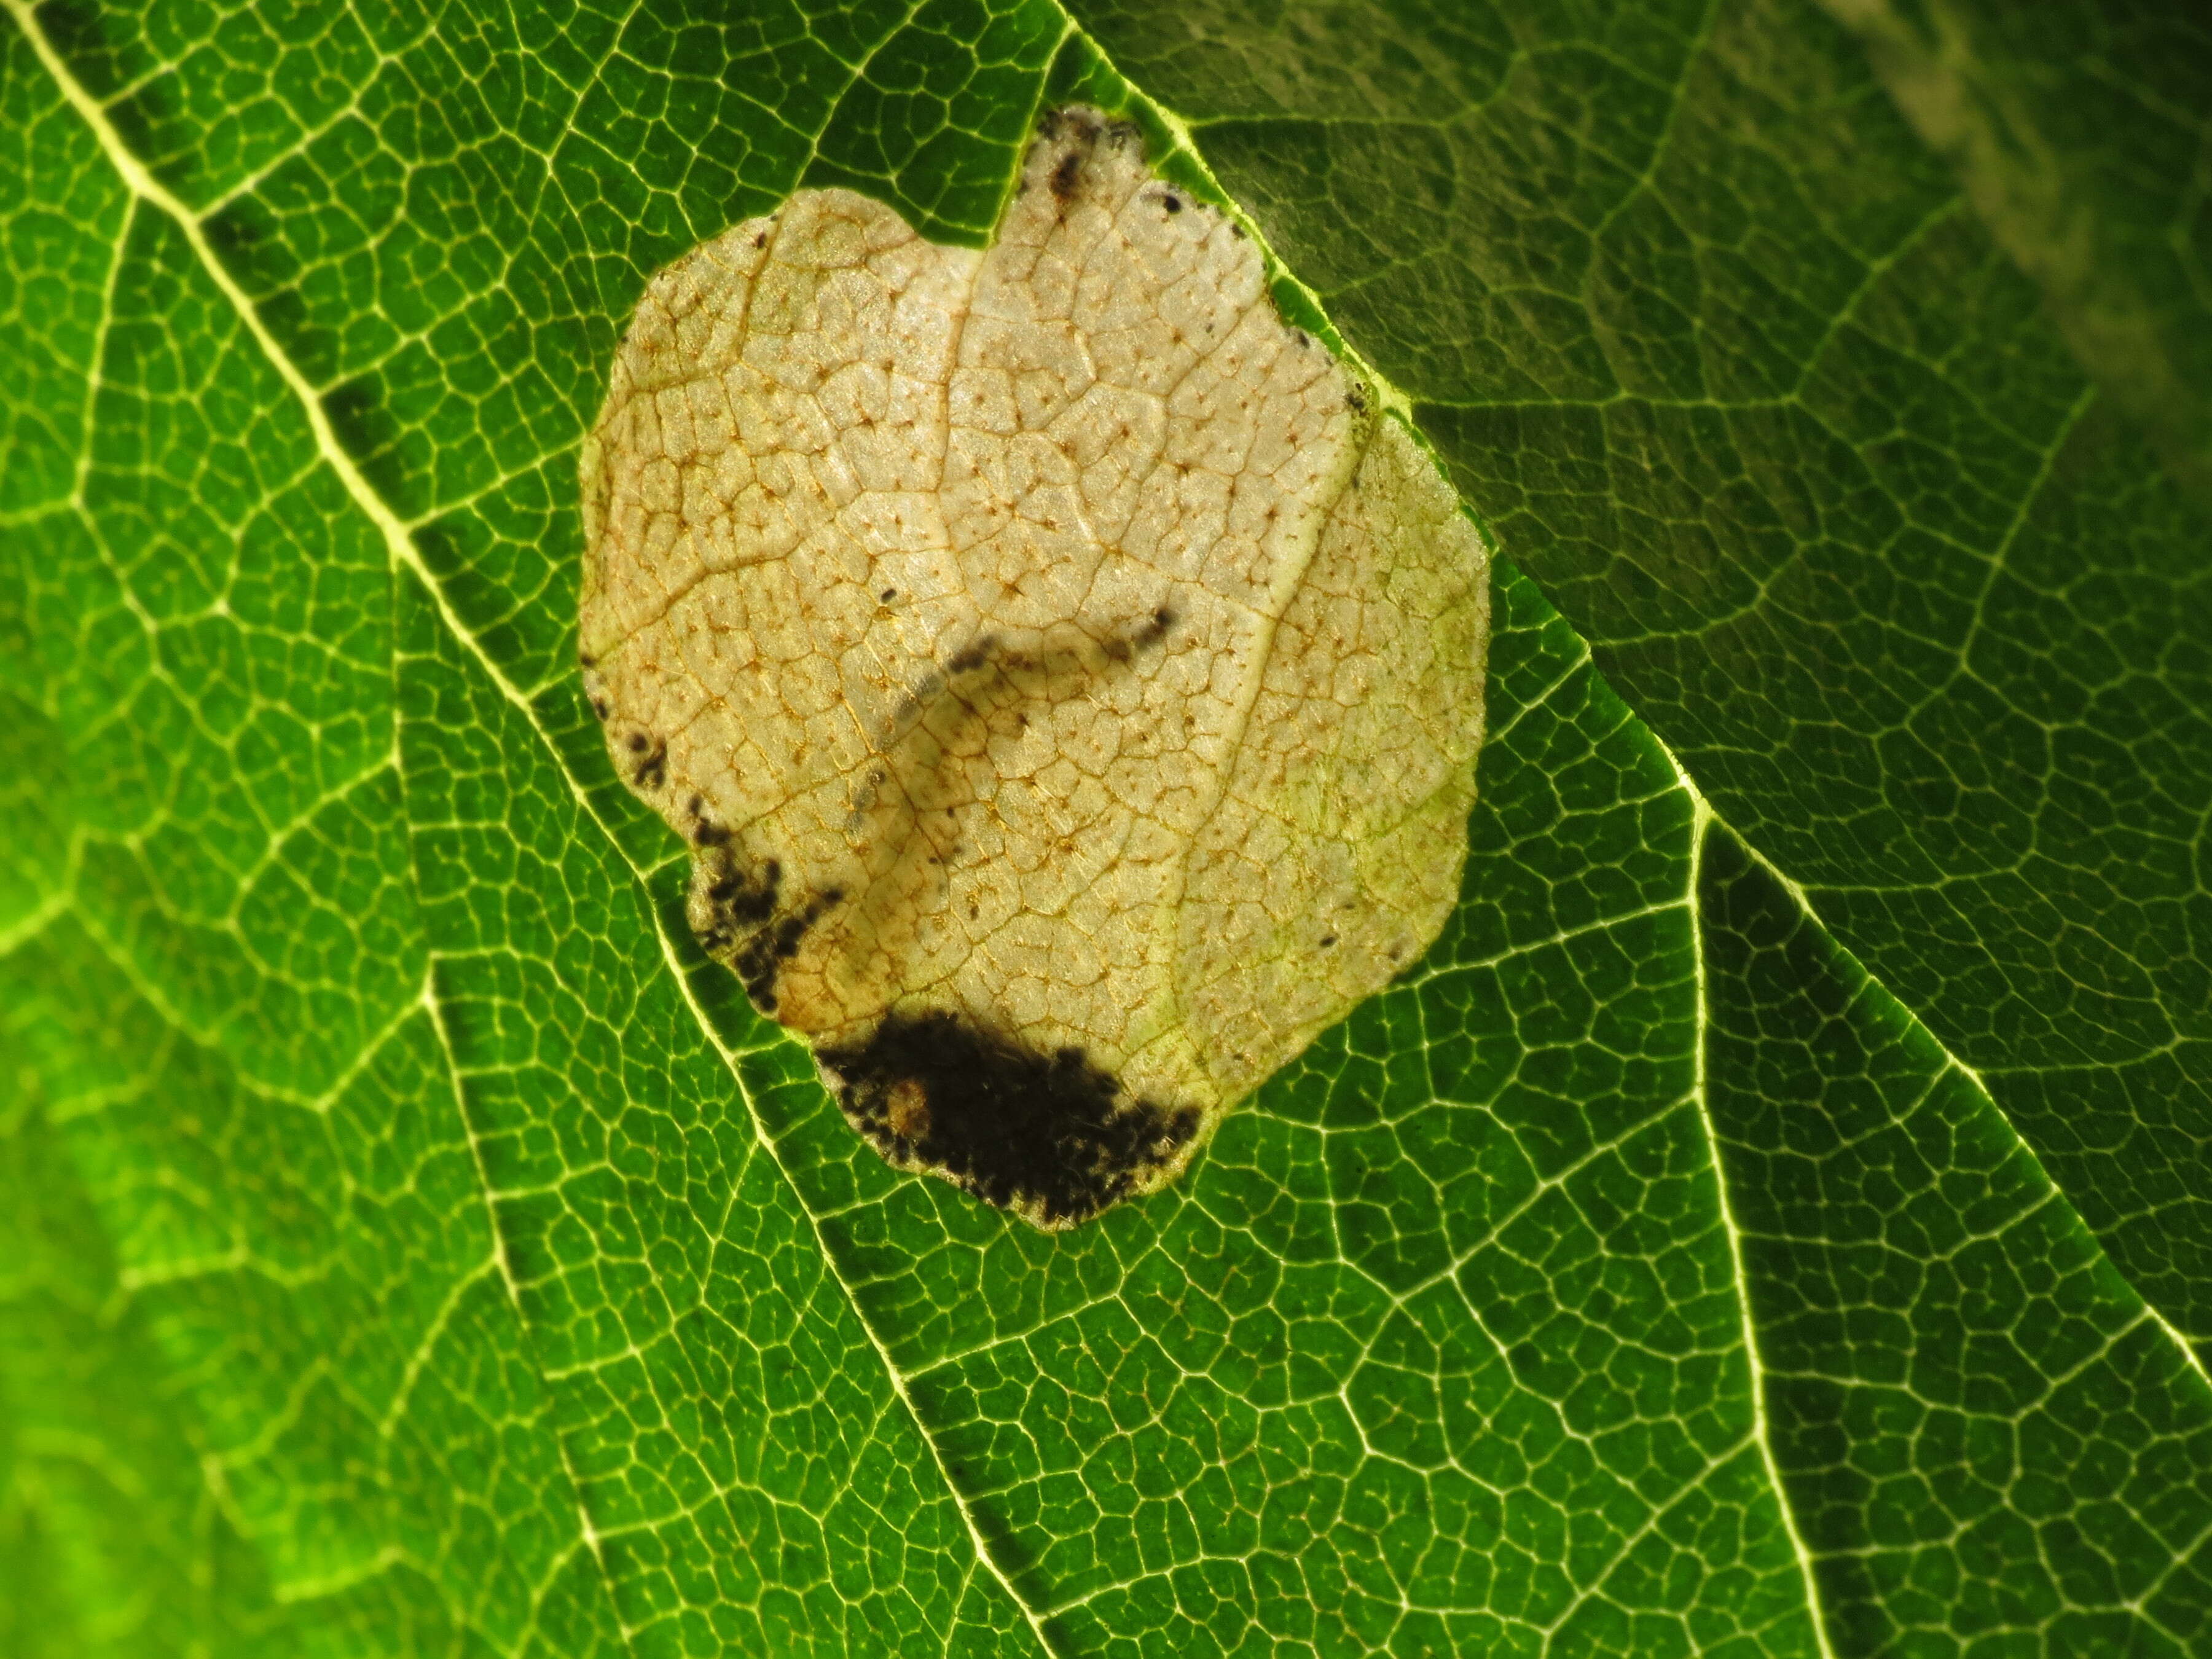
1766	1222
2081	138
1732	366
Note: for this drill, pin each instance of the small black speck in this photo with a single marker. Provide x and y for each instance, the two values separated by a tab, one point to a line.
761	240
1171	201
585	660
889	594
972	657
1327	939
1155	627
1066	175
705	832
756	960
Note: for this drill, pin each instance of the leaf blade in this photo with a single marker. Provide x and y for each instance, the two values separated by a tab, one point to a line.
1561	1011
1707	337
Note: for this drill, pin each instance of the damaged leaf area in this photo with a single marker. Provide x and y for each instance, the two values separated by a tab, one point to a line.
1067	682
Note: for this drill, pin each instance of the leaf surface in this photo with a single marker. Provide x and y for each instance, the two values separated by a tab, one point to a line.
1733	366
417	1246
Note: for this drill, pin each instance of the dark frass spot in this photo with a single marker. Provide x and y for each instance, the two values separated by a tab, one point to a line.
972	657
1124	647
1084	130
1049	1133
648	760
705	832
1066	175
730	900
738	917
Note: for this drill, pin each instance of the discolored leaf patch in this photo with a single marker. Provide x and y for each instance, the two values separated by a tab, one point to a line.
1068	683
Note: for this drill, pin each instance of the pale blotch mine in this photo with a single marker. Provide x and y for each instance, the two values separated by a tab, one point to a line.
1068	685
